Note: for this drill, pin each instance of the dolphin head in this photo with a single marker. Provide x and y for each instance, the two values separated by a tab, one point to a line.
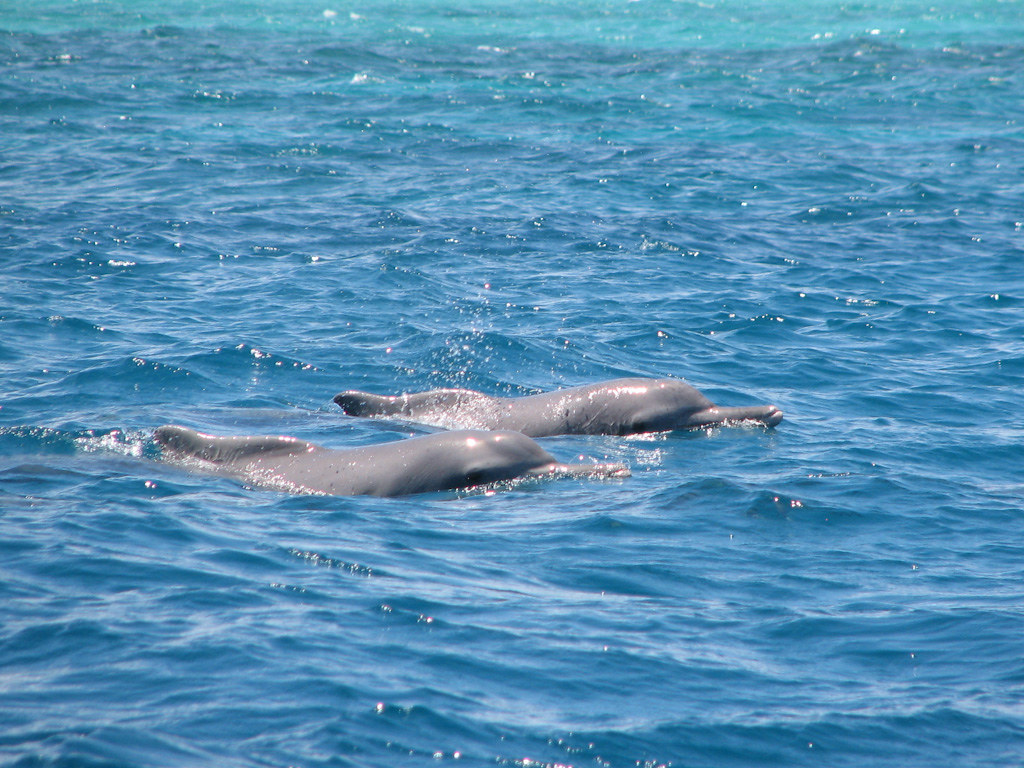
668	404
480	457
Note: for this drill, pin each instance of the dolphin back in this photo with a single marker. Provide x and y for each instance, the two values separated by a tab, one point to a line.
221	450
622	406
445	408
438	462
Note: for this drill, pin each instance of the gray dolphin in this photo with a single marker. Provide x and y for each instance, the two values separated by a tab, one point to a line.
444	461
617	407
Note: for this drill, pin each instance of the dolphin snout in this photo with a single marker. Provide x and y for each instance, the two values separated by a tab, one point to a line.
772	416
768	415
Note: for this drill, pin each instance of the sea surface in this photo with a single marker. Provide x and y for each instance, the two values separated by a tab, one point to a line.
221	214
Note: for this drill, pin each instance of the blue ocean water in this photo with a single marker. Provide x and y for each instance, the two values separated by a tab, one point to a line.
222	214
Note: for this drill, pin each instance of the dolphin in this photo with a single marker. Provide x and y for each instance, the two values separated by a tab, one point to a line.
616	407
438	462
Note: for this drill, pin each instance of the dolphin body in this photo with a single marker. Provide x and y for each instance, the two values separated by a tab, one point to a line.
439	462
616	407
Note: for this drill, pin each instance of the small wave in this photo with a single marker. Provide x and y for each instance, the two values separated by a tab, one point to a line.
130	375
322	561
227	362
134	443
31	440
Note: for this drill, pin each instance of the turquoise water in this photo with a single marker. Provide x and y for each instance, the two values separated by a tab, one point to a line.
220	215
